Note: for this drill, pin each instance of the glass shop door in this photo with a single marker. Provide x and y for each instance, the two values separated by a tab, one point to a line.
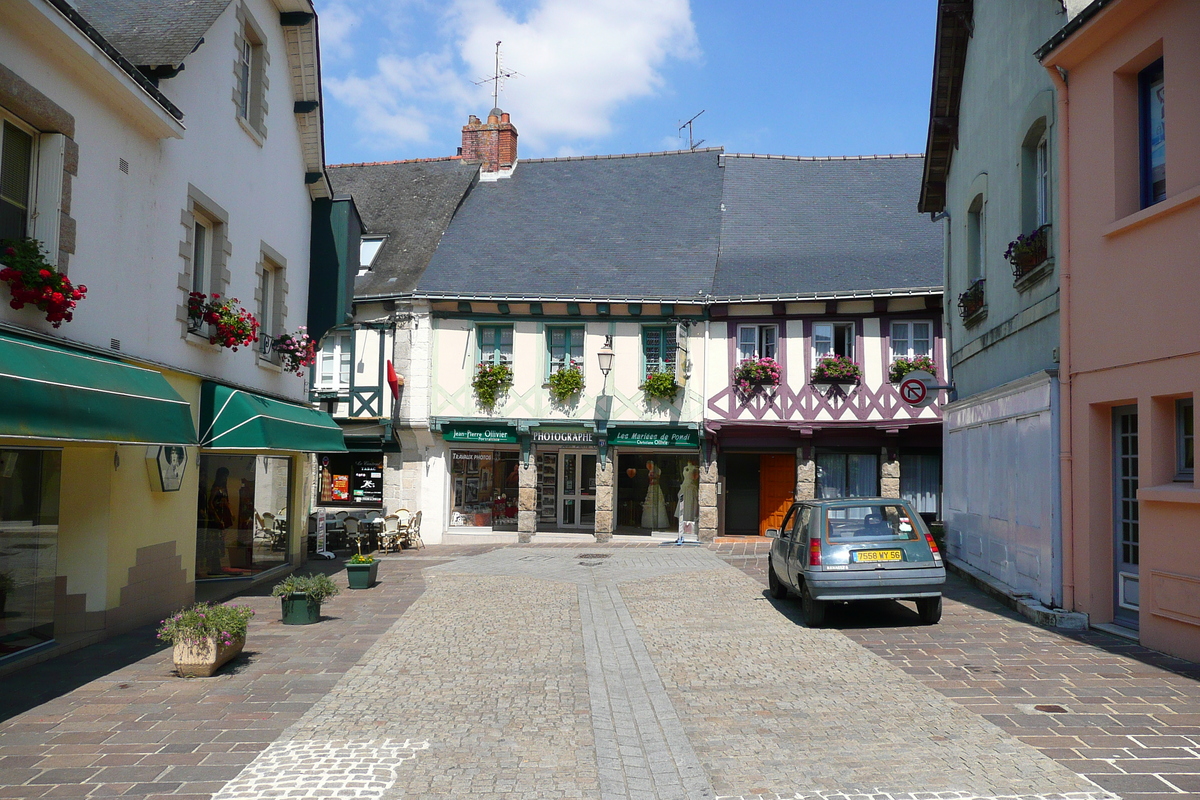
577	490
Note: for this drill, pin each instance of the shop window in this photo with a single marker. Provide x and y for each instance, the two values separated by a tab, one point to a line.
29	488
757	341
1153	138
921	483
654	490
833	338
566	348
847	475
351	479
333	362
1185	440
658	349
911	339
485	484
495	344
242	527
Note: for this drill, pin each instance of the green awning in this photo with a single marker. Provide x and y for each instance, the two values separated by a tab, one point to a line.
233	419
53	392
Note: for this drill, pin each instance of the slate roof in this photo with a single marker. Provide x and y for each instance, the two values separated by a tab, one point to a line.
412	203
643	226
152	32
793	227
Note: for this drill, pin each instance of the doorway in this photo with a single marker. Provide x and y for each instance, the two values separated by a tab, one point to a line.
776	489
741	494
577	490
1125	516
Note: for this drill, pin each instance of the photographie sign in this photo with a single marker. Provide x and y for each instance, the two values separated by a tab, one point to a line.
480	434
564	437
653	437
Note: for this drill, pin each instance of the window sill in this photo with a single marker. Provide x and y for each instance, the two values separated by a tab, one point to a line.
270	364
249	129
979	316
1153	213
200	340
1034	276
1170	493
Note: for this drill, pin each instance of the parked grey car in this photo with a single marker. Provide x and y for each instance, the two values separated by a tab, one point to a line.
862	548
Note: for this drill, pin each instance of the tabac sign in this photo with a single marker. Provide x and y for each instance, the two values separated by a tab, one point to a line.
480	434
653	437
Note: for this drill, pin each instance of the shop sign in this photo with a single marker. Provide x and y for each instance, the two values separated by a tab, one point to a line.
479	434
564	437
367	482
653	437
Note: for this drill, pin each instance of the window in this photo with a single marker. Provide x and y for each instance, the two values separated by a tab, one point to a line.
250	84
29	493
911	339
757	341
495	344
833	338
333	362
16	173
976	240
1185	440
847	475
242	525
1152	113
1041	182
566	347
202	237
267	293
658	349
368	249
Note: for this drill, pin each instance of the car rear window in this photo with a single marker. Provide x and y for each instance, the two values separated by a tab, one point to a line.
871	523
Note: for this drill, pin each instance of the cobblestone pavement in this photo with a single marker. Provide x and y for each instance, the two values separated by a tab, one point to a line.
609	671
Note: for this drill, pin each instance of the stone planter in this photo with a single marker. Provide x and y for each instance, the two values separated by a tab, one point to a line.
202	659
299	609
362	576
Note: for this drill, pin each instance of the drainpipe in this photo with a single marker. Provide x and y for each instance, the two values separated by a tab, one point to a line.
1058	76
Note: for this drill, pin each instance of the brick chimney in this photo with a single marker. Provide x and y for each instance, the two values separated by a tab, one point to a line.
494	143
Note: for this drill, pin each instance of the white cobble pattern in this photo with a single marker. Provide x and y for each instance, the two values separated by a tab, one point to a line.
299	770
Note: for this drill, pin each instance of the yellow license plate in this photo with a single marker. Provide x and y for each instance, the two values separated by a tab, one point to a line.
878	555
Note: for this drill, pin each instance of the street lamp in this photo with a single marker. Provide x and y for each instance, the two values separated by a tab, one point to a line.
606	356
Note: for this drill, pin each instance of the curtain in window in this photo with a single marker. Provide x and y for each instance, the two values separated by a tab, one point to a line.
659	348
921	482
847	475
495	344
747	342
566	348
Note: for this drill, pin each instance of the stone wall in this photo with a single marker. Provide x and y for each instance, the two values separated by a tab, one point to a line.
606	487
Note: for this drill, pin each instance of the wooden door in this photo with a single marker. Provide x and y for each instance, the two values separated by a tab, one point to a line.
776	489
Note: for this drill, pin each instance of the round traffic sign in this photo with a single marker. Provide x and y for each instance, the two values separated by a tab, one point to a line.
914	391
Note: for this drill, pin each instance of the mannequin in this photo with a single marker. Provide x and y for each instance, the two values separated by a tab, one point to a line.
654	510
690	492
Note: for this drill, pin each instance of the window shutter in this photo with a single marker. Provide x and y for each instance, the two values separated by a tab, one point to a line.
47	209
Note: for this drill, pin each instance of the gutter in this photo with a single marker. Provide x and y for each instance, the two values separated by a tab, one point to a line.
679	300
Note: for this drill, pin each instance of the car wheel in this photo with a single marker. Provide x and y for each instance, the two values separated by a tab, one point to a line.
813	610
775	587
929	609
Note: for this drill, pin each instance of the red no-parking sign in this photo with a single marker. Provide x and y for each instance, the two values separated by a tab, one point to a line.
914	389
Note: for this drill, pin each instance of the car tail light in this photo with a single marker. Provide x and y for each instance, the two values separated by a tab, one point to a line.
814	552
932	545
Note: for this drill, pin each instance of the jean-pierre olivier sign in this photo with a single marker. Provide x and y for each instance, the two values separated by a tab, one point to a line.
480	434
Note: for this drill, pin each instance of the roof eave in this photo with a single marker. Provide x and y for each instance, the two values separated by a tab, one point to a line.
955	24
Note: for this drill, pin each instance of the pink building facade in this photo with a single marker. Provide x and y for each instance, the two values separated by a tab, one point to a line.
1130	208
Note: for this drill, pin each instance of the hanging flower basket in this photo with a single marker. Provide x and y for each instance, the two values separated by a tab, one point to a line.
296	350
753	374
491	381
836	369
565	383
971	301
903	365
1026	253
32	280
230	325
661	386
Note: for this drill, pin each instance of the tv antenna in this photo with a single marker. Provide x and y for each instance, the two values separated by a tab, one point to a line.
497	79
692	143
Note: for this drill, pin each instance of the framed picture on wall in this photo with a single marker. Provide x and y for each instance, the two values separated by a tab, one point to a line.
458	492
471	490
166	466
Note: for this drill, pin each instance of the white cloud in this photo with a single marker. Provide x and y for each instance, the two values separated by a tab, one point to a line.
337	23
579	62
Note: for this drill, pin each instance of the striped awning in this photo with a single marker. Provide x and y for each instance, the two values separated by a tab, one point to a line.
234	419
54	392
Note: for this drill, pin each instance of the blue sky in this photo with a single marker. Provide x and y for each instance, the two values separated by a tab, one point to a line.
793	77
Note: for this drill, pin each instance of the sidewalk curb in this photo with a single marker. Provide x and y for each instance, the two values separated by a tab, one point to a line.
1024	605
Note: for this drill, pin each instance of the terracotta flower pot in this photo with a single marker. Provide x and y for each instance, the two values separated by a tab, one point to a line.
201	659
